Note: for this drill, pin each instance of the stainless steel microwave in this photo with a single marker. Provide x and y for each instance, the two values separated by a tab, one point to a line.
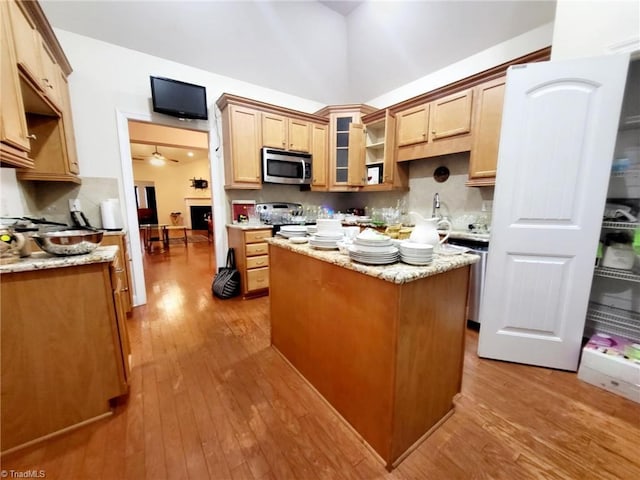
279	166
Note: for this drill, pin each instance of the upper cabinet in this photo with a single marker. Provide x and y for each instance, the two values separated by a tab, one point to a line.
345	167
37	132
248	125
286	133
486	133
438	127
241	144
377	149
320	156
13	126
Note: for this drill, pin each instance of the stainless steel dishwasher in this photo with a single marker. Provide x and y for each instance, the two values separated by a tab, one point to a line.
476	278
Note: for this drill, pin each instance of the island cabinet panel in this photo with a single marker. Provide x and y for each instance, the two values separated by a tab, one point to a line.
387	357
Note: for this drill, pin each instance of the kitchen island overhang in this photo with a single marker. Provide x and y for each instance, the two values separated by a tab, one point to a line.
383	345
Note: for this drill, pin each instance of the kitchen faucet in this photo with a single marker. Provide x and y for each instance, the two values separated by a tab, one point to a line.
435	212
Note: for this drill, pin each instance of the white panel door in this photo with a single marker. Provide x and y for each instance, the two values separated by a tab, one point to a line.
558	135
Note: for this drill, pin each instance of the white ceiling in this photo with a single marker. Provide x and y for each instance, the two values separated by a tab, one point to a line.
305	48
141	153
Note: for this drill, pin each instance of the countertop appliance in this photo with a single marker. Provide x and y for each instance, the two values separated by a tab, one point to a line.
280	213
280	166
476	278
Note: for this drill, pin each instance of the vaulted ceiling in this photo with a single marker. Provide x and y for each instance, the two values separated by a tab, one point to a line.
330	52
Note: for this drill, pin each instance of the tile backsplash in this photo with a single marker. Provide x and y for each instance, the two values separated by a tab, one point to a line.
51	199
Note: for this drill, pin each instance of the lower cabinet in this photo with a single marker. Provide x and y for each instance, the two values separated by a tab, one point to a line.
120	240
65	349
252	258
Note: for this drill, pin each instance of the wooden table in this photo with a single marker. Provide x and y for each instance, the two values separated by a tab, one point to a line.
385	353
161	235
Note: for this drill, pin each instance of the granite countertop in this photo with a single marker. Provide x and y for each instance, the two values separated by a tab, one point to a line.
246	226
466	235
396	272
43	261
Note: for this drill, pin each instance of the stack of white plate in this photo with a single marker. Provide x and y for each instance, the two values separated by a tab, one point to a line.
288	231
326	240
416	253
328	234
373	248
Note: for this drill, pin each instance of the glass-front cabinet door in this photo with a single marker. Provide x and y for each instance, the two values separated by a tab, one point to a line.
341	166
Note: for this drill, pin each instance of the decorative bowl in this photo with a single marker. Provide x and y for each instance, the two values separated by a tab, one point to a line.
68	242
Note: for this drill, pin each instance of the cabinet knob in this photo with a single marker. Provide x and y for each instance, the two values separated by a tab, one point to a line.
433	132
32	136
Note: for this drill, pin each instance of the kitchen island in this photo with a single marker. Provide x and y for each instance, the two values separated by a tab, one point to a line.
383	345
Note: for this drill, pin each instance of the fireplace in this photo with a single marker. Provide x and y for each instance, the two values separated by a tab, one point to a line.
199	214
195	219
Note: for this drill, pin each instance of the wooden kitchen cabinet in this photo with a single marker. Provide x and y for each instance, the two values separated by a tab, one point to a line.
13	124
252	258
440	127
241	143
346	172
248	125
34	76
119	239
451	115
320	156
378	153
65	349
486	133
413	125
285	133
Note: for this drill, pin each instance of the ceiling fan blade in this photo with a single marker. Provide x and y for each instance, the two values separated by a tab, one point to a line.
173	160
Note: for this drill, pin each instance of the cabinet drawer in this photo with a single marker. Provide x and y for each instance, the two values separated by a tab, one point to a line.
257	236
257	279
257	262
257	249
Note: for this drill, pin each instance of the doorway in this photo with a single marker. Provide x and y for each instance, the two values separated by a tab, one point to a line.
162	139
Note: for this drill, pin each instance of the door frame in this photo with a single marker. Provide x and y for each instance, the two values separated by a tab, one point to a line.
217	192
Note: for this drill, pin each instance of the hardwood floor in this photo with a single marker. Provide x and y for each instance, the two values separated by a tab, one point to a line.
211	399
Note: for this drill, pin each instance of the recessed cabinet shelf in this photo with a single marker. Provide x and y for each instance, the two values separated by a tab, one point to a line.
621	225
626	174
376	146
612	320
617	274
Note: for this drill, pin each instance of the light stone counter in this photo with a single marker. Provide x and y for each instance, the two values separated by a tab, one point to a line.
396	272
42	260
246	226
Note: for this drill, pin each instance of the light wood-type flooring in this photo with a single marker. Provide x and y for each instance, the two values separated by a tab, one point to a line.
211	399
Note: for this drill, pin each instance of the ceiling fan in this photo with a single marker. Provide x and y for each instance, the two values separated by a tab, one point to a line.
156	158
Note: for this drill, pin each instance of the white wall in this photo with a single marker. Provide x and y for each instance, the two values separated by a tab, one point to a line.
518	46
590	28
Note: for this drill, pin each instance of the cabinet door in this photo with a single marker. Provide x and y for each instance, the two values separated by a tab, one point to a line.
245	145
14	125
274	130
67	124
50	75
319	155
27	41
356	172
413	125
451	115
389	165
299	135
486	132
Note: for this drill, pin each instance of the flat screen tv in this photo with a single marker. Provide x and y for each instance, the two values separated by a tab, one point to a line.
179	99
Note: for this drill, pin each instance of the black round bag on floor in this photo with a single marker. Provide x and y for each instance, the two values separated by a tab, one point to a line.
226	283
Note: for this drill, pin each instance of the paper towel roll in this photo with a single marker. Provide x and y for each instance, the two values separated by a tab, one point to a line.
111	215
